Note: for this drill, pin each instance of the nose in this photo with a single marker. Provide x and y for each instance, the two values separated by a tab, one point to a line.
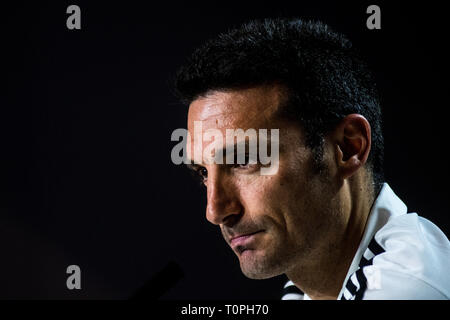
223	206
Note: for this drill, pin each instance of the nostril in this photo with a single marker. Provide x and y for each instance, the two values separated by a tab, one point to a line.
230	220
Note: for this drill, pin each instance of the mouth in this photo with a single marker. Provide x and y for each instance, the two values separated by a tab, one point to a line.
243	240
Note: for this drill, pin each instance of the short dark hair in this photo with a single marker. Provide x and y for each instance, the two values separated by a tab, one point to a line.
325	77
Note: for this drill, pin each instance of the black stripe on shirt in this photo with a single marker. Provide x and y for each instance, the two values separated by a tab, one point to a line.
362	280
375	247
292	289
351	287
364	262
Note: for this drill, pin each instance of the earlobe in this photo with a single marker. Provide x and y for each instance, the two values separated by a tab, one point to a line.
353	138
347	165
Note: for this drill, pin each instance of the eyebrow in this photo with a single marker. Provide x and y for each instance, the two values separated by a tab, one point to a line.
190	164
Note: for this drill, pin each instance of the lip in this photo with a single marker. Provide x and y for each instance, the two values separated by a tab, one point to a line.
243	239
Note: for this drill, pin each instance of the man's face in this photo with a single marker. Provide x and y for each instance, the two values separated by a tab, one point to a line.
272	222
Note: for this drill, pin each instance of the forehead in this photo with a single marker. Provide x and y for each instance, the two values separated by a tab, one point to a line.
246	108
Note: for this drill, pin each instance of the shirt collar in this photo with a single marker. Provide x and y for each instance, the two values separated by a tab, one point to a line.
387	204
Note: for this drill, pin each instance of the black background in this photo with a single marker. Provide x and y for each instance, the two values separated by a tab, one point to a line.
86	176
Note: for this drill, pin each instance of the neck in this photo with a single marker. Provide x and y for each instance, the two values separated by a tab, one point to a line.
324	276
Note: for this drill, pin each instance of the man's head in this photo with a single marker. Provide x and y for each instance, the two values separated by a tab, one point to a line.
305	80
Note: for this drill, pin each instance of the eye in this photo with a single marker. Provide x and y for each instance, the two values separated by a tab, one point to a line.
203	173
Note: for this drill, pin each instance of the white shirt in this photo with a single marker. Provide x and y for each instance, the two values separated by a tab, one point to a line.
401	256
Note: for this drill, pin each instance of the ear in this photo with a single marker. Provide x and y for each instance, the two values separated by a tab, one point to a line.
352	138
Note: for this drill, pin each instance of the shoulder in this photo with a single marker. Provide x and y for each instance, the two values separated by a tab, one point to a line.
412	262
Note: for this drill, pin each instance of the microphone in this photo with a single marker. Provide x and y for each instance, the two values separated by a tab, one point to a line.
160	283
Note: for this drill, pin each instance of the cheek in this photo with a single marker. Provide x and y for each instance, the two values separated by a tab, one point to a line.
281	196
254	190
270	195
282	189
258	195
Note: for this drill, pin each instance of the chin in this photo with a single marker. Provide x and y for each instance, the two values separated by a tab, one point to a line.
258	276
256	266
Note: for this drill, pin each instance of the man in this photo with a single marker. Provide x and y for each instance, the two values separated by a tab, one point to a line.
325	218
